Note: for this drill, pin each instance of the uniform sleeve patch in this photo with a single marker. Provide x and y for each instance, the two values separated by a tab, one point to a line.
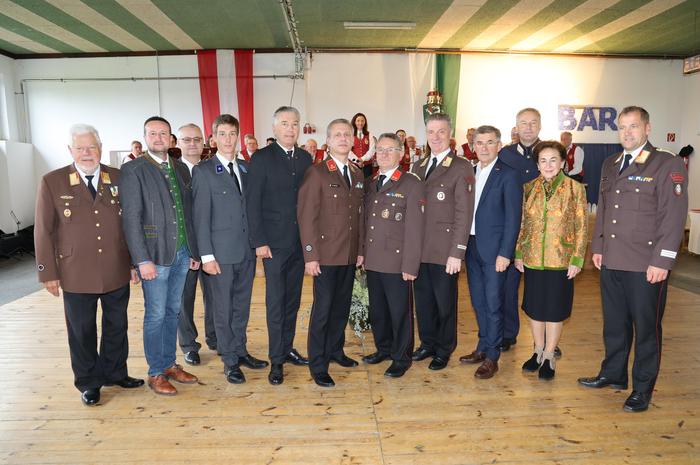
461	247
309	248
40	267
668	253
677	177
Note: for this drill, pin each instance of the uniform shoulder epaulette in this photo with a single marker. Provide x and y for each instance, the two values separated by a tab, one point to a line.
414	174
666	151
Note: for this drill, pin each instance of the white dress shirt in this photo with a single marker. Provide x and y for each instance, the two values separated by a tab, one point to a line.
82	174
482	175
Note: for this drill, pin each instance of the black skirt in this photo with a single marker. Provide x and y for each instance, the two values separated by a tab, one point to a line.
548	295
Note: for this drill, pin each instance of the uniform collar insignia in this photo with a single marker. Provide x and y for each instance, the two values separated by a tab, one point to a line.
642	157
447	161
74	178
397	174
105	177
331	165
617	160
219	168
425	162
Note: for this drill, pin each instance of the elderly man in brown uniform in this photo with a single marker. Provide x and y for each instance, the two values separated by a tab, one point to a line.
449	194
394	225
80	247
642	209
331	226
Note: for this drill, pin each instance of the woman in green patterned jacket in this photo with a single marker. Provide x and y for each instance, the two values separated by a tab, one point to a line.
550	251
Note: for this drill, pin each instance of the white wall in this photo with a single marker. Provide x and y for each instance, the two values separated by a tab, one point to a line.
689	112
495	87
389	88
9	122
17	192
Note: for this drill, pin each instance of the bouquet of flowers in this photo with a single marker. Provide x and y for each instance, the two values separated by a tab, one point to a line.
359	305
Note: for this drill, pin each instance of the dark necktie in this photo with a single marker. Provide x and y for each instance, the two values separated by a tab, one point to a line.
345	175
626	162
380	183
90	187
233	175
431	168
289	154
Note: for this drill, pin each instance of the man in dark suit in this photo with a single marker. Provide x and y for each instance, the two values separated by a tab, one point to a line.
331	225
449	202
394	227
221	227
276	172
79	247
157	221
191	142
518	156
642	209
494	231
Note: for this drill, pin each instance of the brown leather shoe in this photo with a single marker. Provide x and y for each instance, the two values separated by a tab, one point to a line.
160	385
176	373
487	369
474	357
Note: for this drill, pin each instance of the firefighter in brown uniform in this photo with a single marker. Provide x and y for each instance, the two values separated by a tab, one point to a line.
642	209
393	229
449	194
331	225
80	247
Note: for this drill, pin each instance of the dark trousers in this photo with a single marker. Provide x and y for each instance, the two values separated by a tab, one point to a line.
186	329
231	291
284	277
632	309
391	314
329	315
486	289
90	368
511	322
436	308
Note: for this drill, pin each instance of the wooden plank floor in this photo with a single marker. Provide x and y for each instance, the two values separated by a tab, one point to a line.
444	418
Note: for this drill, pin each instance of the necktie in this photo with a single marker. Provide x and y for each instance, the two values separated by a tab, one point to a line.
431	168
626	162
380	183
345	175
233	175
90	187
289	154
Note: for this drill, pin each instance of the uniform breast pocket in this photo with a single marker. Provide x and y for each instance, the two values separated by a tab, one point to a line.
643	196
398	210
332	200
67	209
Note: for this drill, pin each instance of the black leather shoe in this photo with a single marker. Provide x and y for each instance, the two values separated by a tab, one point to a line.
234	375
532	364
91	396
345	361
438	363
323	379
507	343
396	370
276	376
192	358
557	352
375	358
637	401
252	362
546	370
601	381
295	358
422	353
127	383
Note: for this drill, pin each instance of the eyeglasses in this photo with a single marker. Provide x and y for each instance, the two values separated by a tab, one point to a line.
89	148
189	140
388	150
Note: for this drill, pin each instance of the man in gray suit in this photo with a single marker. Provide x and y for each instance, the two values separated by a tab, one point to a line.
221	227
190	141
157	221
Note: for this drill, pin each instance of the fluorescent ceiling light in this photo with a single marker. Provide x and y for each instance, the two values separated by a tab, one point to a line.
378	25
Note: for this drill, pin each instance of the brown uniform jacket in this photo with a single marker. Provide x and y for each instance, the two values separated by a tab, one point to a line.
641	212
78	240
330	216
449	208
394	224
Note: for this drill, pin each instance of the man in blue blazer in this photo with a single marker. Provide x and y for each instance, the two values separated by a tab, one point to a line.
491	245
221	226
276	172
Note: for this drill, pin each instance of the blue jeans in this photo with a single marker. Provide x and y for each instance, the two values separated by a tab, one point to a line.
162	298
